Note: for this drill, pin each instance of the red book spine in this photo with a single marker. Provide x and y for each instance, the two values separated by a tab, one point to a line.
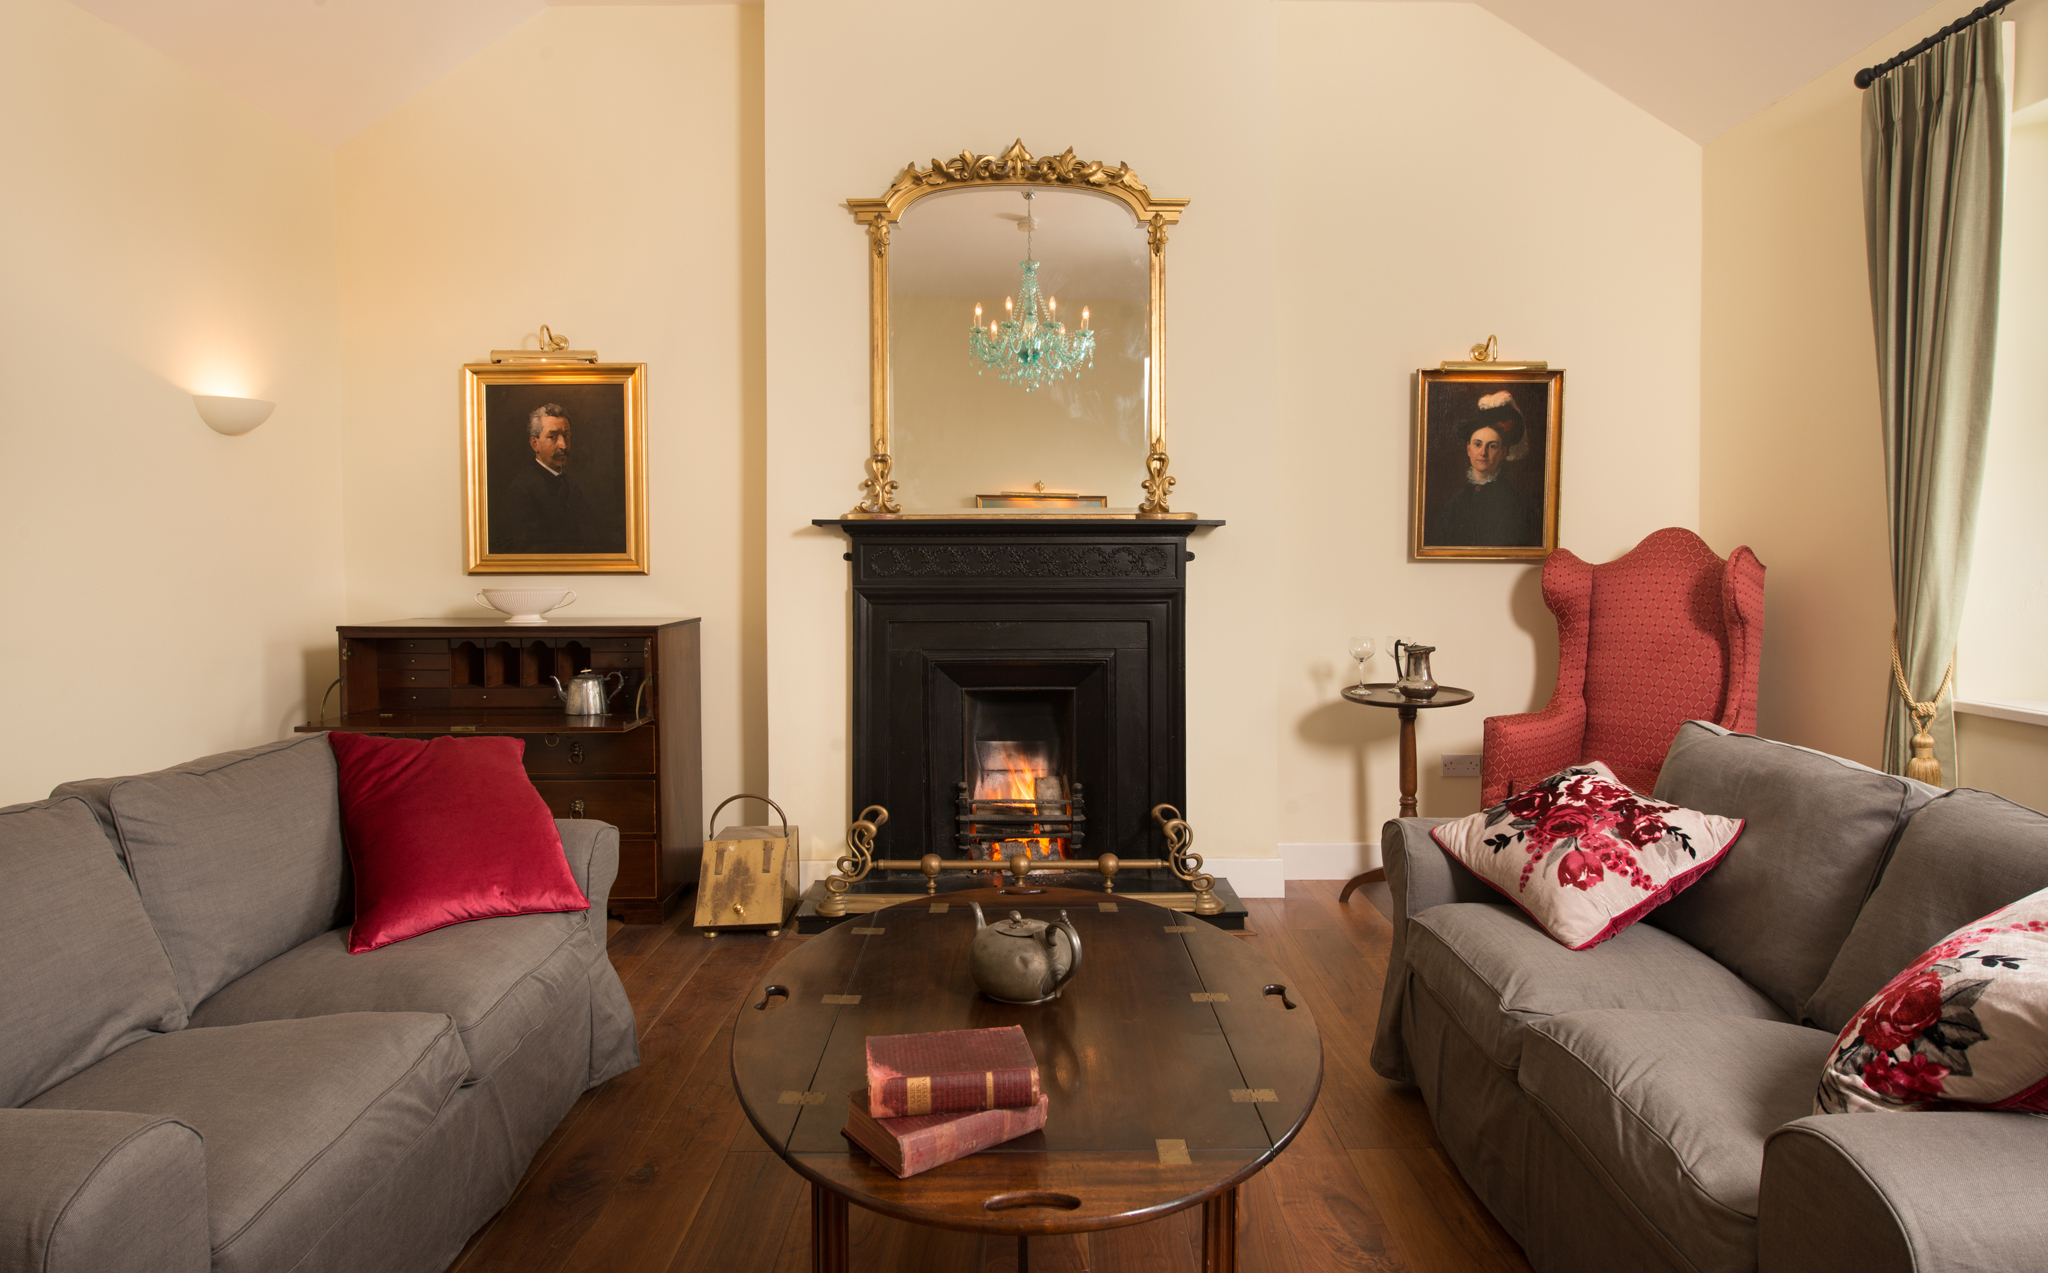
902	1096
950	1072
907	1146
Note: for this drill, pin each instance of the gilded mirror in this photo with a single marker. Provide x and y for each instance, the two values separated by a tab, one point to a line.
981	395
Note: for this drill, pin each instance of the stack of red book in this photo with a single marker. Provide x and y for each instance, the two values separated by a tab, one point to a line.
932	1098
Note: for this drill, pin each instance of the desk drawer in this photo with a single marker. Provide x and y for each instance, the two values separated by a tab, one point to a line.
431	677
591	755
400	698
626	803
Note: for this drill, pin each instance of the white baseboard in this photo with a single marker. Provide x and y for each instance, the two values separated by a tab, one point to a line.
1338	861
1251	877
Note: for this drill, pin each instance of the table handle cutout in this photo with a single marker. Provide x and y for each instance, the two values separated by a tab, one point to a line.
1280	993
1031	1198
777	995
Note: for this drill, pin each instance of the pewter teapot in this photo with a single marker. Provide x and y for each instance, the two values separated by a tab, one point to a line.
585	695
1021	960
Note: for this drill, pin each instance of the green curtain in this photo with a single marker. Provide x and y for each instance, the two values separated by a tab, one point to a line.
1934	137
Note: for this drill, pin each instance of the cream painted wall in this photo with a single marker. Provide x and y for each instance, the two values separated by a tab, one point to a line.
852	92
170	592
1467	181
1792	458
598	170
2008	757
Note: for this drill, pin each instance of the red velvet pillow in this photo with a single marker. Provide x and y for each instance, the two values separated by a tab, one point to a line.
445	830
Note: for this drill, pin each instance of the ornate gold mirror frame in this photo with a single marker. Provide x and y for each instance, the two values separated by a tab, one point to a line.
1014	167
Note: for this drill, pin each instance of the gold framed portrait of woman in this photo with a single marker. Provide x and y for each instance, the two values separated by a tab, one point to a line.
1487	446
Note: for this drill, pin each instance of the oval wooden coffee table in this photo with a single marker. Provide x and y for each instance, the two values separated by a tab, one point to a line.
1177	1063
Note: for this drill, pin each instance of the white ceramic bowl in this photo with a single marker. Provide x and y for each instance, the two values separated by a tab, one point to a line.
526	605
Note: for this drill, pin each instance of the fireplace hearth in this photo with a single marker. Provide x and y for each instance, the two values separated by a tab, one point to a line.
1019	699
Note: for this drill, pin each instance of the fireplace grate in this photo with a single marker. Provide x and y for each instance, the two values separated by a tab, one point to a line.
997	830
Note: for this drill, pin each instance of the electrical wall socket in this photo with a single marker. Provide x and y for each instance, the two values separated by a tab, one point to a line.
1456	766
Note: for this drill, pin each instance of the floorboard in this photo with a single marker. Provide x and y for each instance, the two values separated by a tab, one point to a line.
660	1170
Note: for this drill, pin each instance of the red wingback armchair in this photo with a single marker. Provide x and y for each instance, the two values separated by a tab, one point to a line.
1666	633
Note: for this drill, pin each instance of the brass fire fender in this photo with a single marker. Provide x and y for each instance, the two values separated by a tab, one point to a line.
1014	167
1182	860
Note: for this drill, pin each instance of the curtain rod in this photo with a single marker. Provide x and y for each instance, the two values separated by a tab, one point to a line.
1865	76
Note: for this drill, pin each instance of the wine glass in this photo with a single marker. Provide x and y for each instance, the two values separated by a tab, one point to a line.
1362	648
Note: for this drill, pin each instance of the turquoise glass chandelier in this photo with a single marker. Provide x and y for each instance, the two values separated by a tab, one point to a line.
1030	347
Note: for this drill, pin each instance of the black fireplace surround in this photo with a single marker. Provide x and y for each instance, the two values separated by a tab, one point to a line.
1066	633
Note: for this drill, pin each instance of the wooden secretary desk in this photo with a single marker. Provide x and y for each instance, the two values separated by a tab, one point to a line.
639	768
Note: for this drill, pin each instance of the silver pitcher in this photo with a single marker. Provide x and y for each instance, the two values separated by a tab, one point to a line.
1411	666
585	694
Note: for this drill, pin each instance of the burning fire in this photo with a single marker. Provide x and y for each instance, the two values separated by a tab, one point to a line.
1020	773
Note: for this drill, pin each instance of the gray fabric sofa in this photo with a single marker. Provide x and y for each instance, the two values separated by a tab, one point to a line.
195	1074
1647	1104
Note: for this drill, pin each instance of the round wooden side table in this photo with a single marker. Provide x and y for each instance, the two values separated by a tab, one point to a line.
1383	694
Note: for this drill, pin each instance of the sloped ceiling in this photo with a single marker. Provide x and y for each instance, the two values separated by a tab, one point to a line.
1704	66
331	68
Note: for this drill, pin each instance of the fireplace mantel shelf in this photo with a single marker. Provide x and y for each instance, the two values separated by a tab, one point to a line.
1037	523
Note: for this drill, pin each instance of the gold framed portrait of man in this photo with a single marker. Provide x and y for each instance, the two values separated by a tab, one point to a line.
1487	450
555	468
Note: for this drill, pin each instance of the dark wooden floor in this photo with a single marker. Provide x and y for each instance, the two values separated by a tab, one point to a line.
660	1170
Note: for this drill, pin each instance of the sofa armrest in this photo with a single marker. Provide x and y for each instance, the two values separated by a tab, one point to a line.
1893	1193
83	1191
1420	875
592	848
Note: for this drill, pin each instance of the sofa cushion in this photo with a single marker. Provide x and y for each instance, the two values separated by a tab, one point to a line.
1585	856
1964	855
85	973
297	1118
238	857
1817	828
1498	973
1671	1110
497	978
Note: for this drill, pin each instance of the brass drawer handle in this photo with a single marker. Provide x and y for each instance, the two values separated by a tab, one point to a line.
576	753
575	808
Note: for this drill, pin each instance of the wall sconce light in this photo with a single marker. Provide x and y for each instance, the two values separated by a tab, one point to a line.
232	416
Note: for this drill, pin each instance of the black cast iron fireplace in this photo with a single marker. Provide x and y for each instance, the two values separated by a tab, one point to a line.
1019	688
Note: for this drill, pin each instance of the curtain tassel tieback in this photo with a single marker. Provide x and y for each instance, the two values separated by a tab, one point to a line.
1923	767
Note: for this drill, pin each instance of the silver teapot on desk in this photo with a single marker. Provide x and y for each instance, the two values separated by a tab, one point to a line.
1021	960
1411	666
585	694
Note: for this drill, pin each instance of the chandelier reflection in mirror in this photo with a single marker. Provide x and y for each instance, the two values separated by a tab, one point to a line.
1030	346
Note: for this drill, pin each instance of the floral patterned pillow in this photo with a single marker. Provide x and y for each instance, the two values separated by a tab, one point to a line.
1965	1027
1584	855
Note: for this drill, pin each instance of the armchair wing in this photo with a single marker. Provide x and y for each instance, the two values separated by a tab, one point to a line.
1528	746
